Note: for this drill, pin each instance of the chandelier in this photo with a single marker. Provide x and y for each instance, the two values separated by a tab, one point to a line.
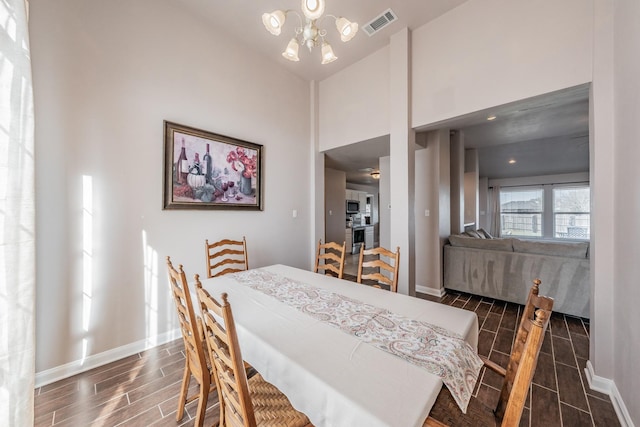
307	33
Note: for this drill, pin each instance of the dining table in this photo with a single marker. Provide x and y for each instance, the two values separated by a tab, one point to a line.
328	371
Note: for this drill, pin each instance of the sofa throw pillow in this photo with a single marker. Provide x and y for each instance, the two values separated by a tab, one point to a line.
485	233
474	234
490	244
568	249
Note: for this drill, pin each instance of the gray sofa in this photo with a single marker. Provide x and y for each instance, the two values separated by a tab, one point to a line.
505	269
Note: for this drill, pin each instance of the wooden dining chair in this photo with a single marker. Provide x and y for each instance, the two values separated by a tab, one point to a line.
226	256
517	376
195	354
332	256
243	402
375	267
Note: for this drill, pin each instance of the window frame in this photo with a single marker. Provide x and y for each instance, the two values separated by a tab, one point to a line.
523	188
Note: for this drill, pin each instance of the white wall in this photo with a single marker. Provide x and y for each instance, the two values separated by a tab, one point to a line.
106	74
486	53
627	204
354	103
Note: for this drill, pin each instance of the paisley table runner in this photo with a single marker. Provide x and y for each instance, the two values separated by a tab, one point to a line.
437	350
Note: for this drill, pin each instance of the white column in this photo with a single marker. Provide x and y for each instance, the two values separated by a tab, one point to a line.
471	179
317	181
402	153
457	183
433	209
602	171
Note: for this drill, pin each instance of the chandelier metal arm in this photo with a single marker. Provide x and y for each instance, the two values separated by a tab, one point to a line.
297	14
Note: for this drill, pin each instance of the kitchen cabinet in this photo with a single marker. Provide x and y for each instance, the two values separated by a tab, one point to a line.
368	238
348	240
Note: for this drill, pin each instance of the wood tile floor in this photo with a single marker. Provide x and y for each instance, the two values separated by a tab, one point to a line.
142	390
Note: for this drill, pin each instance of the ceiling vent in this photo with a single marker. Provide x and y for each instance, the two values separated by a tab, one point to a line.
379	22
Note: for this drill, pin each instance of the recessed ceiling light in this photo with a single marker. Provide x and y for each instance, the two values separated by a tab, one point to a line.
512	161
491	118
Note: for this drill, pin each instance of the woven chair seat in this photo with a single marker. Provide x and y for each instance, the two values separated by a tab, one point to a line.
446	411
271	407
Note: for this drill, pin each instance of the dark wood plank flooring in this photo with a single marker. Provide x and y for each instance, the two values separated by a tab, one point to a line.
142	390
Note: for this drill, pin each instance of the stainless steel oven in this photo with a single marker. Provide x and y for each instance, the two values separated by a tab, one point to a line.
357	239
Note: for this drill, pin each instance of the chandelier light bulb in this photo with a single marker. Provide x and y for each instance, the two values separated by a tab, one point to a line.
313	9
291	52
274	21
346	28
327	53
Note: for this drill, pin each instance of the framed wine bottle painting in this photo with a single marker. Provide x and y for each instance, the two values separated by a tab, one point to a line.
204	170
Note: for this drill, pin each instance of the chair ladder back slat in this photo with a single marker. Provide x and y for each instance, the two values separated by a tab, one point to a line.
378	264
227	260
378	278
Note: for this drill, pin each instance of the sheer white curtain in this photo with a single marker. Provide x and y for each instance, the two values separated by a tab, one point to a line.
494	211
17	219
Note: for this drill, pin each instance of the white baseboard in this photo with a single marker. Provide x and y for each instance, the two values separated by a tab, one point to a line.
430	291
607	386
64	371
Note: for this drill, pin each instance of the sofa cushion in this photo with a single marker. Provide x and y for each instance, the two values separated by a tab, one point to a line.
565	249
490	244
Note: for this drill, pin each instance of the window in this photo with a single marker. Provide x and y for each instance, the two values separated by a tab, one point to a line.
571	209
546	211
521	211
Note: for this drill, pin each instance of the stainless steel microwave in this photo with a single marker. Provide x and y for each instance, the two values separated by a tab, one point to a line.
353	206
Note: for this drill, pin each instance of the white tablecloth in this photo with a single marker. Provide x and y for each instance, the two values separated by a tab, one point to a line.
331	376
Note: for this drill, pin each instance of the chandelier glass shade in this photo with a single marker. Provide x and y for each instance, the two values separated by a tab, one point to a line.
307	33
